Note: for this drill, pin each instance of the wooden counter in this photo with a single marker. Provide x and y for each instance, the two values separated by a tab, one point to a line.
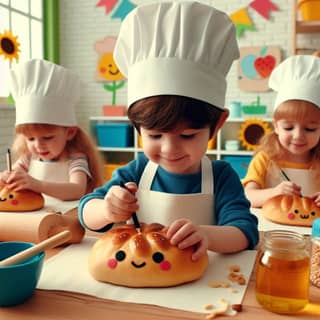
59	305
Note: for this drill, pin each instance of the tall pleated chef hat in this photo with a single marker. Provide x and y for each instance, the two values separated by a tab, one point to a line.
44	93
177	48
297	78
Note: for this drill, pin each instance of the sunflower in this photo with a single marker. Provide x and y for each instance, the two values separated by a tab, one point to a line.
251	131
9	46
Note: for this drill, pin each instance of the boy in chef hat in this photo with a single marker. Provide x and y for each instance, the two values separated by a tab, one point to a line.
176	56
54	155
293	147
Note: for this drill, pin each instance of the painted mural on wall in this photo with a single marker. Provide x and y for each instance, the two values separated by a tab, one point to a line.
255	66
9	49
107	70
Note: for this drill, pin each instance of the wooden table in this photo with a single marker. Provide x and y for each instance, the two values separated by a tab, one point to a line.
60	305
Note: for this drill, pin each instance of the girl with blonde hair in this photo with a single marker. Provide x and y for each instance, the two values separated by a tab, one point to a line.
54	156
288	159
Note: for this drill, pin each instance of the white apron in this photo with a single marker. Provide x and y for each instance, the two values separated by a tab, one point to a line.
49	171
302	177
164	208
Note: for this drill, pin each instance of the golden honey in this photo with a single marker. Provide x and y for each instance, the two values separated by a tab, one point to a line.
282	272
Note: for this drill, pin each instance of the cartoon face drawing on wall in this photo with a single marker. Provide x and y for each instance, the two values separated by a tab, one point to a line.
126	257
107	68
19	201
291	210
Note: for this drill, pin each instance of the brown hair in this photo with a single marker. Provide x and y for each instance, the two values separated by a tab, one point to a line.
289	110
80	143
164	112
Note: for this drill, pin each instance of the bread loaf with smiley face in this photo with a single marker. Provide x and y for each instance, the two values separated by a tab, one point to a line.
20	201
291	210
125	257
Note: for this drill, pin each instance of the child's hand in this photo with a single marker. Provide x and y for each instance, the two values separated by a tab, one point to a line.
121	203
288	188
316	198
4	175
183	233
20	180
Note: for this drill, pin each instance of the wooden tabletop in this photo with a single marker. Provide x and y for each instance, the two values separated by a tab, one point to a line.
61	305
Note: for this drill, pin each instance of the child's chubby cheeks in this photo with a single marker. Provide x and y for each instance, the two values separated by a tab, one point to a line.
179	151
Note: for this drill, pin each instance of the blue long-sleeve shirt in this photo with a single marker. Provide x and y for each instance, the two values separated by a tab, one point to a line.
231	207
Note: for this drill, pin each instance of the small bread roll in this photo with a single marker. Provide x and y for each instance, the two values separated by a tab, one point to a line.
123	256
291	210
19	201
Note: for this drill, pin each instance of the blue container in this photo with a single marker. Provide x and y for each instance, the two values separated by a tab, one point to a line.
18	282
235	109
239	164
118	135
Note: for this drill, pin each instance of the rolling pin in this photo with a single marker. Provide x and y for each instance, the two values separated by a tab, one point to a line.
38	227
69	222
49	243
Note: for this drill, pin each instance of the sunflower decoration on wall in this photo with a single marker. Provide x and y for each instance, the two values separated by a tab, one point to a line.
251	131
9	46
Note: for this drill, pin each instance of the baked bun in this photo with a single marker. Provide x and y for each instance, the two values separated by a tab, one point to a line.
19	201
125	257
291	210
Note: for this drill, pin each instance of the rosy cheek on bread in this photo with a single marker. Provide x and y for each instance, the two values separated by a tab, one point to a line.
165	265
291	216
112	263
14	202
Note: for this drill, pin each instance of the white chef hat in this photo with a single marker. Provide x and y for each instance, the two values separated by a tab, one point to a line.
44	93
176	48
297	78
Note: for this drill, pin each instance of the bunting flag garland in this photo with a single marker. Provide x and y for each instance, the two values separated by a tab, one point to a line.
109	4
123	9
242	20
263	7
119	11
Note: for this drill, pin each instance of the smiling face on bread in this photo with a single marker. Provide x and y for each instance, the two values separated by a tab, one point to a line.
291	210
147	259
18	201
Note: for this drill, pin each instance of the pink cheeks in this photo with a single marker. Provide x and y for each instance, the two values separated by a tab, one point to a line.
165	265
14	202
112	263
291	216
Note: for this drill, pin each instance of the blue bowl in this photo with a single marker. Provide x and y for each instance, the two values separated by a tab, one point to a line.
18	282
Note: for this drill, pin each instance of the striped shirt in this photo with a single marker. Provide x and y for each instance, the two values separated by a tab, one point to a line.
78	162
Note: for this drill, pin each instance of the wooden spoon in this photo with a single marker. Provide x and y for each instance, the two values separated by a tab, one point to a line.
49	243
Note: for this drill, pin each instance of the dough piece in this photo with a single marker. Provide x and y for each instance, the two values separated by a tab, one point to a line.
20	201
291	210
125	257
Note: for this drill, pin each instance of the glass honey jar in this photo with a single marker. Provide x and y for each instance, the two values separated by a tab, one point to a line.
282	272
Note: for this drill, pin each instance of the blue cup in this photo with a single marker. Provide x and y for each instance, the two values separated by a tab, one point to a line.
235	109
18	282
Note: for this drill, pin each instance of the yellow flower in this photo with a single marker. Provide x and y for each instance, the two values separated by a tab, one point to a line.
9	46
251	131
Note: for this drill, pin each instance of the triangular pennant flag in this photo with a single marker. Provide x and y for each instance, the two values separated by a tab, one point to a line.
242	21
109	4
241	28
10	99
263	7
123	9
